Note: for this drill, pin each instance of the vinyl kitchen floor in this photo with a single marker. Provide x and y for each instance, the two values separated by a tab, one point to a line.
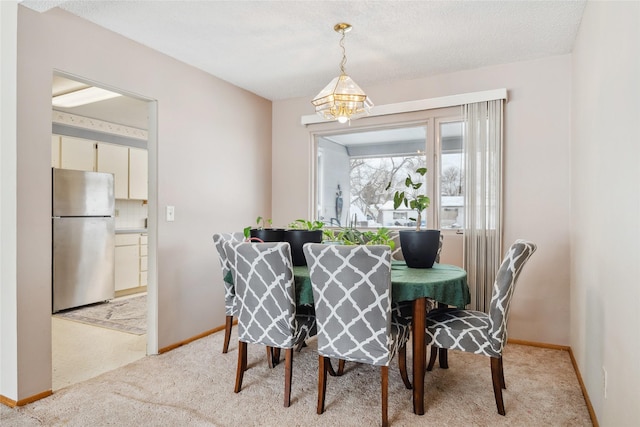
82	351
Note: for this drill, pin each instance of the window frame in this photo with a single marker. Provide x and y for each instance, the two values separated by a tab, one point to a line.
428	118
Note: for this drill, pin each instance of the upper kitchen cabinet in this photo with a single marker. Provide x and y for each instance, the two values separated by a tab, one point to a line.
115	159
138	174
78	154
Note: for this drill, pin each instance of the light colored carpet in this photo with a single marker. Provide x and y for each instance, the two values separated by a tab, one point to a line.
121	314
193	386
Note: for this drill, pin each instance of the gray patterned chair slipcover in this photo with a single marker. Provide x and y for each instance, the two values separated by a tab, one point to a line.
229	290
352	295
266	303
477	332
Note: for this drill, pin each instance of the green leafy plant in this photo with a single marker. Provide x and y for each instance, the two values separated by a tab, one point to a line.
353	236
261	224
303	224
412	200
379	237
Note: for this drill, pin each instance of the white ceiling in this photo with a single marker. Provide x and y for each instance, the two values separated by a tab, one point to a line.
287	49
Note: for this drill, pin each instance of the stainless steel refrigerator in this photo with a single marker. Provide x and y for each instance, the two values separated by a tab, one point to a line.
83	238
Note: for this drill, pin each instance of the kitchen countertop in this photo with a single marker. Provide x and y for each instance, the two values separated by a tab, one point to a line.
130	230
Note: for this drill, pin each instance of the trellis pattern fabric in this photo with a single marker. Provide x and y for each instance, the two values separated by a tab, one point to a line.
352	294
475	331
229	290
396	253
263	277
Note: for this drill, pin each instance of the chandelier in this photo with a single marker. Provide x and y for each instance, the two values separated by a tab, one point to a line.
342	99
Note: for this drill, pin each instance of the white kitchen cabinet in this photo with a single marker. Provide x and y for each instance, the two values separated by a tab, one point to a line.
55	151
143	259
127	259
138	174
115	159
77	154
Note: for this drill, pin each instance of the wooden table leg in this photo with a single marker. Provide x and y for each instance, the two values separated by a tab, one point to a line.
419	311
442	352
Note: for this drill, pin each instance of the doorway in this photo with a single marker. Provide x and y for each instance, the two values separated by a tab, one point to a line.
119	123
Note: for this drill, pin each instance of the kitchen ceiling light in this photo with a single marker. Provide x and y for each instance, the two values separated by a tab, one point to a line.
342	99
83	97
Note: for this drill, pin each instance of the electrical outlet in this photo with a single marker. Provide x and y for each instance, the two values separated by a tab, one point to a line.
604	382
171	213
117	212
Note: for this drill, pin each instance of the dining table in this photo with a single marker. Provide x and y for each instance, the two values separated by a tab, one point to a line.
444	283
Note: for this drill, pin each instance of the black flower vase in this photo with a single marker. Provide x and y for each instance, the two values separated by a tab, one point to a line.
419	248
297	239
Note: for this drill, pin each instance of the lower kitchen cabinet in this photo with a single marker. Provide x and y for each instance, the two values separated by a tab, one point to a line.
131	263
127	261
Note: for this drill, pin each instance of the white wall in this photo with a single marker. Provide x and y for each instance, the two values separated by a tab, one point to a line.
605	234
213	143
8	311
537	174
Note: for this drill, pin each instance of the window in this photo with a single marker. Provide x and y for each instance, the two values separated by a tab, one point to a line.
354	167
451	175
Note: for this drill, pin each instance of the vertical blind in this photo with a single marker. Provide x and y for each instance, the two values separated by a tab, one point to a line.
483	198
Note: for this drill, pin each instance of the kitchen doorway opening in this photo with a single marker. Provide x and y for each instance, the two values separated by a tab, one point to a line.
118	135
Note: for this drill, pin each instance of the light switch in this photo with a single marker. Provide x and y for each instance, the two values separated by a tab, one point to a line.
171	213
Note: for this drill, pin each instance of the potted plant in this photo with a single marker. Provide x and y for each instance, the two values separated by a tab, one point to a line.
299	232
352	236
263	231
419	247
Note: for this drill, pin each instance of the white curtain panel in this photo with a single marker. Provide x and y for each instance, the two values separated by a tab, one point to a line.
483	198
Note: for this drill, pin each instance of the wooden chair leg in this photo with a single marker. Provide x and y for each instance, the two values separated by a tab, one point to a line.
497	386
432	357
301	345
402	364
443	360
288	373
323	368
384	373
227	333
329	368
504	385
270	357
242	365
332	372
276	355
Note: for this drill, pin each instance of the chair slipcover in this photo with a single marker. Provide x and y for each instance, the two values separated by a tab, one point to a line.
229	290
477	332
352	294
266	304
265	290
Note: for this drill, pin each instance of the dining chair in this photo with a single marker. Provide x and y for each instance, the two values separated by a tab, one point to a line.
266	304
478	332
352	294
229	289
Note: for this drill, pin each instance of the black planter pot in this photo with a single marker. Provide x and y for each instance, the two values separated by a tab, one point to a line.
419	248
297	238
269	234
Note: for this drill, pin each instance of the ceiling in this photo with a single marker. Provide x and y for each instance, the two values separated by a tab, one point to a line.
288	49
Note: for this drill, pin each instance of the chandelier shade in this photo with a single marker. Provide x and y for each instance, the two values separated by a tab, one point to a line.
342	99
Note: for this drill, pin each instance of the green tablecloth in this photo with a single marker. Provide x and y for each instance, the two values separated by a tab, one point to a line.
444	283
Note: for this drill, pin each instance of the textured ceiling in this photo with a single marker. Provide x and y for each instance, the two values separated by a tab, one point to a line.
287	49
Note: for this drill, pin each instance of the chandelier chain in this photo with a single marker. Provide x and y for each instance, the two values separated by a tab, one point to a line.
344	53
